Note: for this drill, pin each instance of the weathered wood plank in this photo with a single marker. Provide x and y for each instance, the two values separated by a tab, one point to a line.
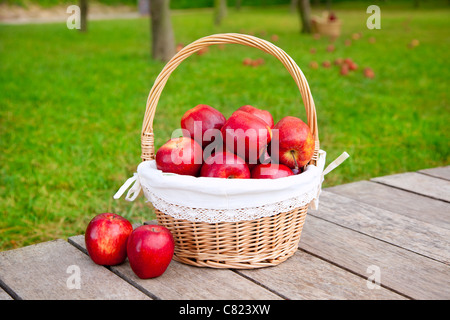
392	199
304	276
181	281
4	295
405	272
419	183
50	271
439	172
423	238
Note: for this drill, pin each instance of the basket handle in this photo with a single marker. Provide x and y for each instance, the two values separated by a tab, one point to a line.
147	139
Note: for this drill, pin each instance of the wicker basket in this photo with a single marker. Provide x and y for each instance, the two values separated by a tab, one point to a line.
257	243
323	26
332	29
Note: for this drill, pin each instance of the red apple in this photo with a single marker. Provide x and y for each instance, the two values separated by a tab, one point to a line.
246	135
200	119
368	73
247	62
264	115
326	64
332	16
251	166
356	36
180	155
353	66
296	142
344	69
257	62
106	238
225	165
338	61
271	171
264	158
260	61
348	61
314	64
150	249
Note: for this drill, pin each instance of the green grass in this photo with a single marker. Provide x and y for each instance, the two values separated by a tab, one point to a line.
72	104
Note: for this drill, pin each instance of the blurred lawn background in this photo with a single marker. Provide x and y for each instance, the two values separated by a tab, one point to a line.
72	104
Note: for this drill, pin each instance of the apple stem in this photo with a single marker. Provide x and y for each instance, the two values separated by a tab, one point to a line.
295	160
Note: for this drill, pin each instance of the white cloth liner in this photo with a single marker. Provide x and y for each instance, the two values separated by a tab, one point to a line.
218	200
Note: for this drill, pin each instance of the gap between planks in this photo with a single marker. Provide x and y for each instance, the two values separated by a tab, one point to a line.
438	172
422	184
177	283
403	271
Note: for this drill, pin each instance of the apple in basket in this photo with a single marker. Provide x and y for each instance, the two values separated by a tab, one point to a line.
225	165
150	249
271	171
106	238
262	114
246	135
181	155
198	120
296	143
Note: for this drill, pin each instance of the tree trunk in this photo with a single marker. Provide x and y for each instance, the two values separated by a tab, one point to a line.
238	4
220	11
304	9
163	40
83	15
293	6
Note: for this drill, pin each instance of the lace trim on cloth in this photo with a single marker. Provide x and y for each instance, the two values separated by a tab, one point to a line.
228	215
308	193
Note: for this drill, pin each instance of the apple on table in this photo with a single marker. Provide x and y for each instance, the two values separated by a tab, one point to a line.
106	238
150	250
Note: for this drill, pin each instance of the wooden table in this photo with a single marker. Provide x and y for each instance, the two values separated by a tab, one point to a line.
387	238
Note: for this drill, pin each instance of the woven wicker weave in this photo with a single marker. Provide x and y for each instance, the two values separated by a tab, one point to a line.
328	28
323	26
245	244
